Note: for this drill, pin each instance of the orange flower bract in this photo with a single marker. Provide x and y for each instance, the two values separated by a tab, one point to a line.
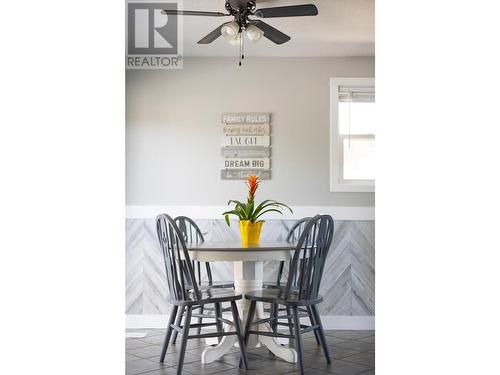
252	183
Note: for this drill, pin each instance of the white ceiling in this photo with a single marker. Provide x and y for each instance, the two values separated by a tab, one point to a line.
342	28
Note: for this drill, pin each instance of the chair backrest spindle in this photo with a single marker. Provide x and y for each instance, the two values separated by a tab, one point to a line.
176	258
192	234
293	236
297	229
307	264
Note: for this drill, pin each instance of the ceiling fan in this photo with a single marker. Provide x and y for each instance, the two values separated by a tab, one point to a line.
242	24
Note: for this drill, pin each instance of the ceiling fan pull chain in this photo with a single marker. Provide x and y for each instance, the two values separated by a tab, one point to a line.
243	45
241	50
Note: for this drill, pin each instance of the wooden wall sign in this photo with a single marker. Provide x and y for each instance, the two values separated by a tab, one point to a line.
245	152
245	146
244	129
245	163
246	118
233	174
245	140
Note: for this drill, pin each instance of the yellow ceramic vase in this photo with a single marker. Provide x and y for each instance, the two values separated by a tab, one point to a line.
250	232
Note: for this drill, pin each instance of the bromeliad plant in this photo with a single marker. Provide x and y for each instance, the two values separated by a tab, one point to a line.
249	211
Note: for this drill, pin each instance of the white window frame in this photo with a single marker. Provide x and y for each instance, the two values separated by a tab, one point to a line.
337	183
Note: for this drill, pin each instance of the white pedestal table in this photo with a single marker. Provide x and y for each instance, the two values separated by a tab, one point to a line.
248	275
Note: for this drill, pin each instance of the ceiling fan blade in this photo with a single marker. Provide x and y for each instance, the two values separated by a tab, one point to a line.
288	11
213	35
193	13
271	33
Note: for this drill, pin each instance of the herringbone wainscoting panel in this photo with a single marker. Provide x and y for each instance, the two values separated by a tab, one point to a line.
134	256
146	288
348	285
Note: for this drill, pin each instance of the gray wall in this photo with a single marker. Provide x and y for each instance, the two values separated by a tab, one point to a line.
173	129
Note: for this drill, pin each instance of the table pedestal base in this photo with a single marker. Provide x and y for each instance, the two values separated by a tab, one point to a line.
247	277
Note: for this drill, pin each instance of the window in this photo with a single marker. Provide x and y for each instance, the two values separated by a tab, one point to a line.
352	134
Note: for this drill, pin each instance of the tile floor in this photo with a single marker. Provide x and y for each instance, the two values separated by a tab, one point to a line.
353	353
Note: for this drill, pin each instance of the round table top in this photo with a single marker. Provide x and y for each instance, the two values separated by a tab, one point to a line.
235	251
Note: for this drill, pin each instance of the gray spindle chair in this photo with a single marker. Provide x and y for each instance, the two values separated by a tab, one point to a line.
302	287
177	266
193	234
293	236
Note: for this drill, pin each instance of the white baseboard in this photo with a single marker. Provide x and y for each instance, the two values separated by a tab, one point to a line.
329	322
214	212
363	323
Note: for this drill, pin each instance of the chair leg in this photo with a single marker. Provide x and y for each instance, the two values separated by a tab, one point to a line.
313	320
298	339
321	333
273	314
185	334
200	320
241	339
178	323
218	314
248	325
290	320
173	314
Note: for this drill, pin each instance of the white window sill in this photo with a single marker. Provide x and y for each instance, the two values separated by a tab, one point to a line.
352	188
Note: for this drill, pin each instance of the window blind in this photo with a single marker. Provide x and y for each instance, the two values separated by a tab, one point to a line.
356	94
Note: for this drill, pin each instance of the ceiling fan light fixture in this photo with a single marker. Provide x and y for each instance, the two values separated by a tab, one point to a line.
230	31
253	33
234	42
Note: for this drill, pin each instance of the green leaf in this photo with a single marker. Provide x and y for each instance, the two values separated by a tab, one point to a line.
266	203
249	210
272	204
263	203
227	220
237	203
268	210
240	207
232	212
284	205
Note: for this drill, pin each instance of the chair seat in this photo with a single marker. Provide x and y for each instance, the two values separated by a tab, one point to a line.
217	284
276	286
217	288
211	308
277	296
208	296
270	285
